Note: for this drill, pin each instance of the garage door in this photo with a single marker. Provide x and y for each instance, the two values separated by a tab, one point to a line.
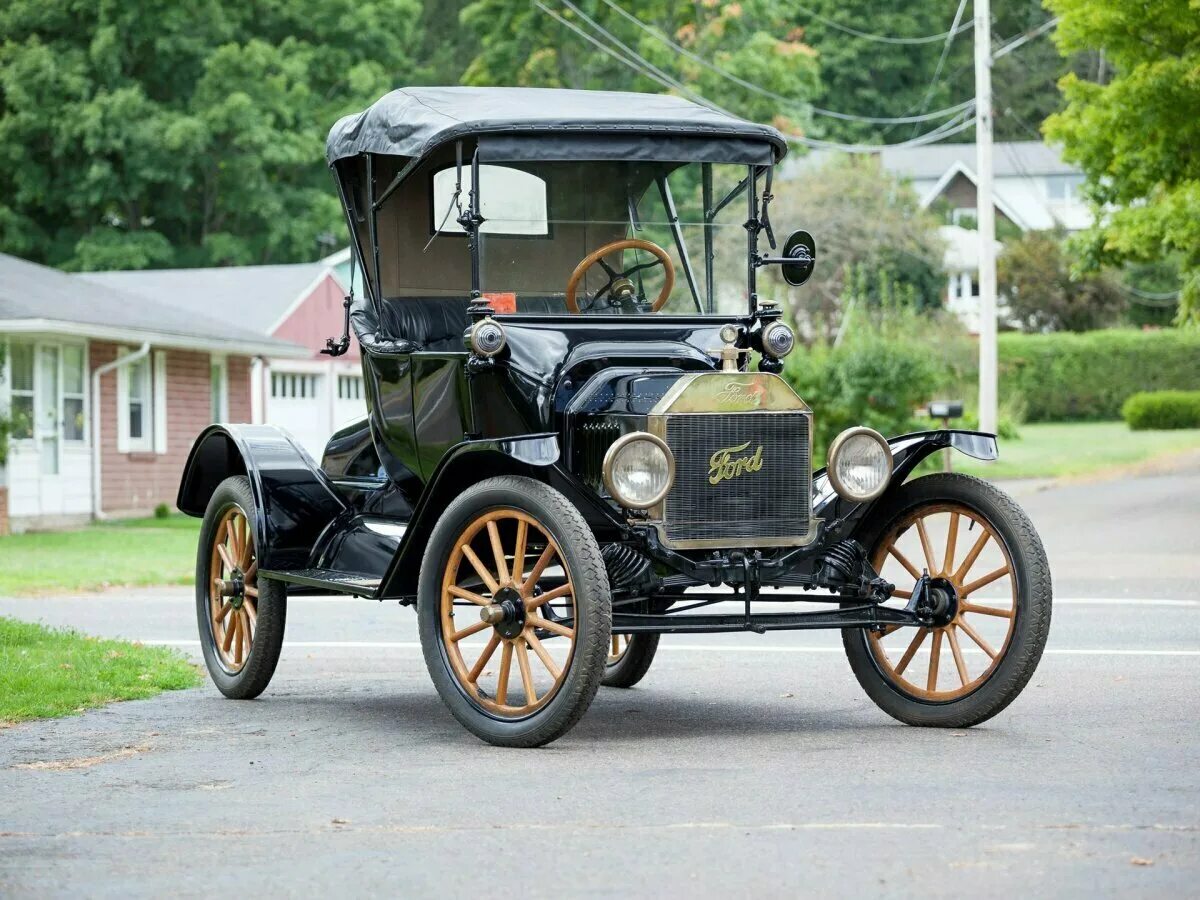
299	403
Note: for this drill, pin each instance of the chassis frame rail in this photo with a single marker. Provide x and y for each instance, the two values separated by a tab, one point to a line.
860	615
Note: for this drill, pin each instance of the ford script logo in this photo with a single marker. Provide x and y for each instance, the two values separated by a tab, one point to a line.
725	464
741	395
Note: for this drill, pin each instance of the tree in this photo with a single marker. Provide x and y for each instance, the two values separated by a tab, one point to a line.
874	243
753	40
160	133
1136	136
1034	275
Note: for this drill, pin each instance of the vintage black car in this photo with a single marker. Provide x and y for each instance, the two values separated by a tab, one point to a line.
577	436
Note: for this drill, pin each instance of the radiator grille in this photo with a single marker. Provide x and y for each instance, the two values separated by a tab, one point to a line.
773	503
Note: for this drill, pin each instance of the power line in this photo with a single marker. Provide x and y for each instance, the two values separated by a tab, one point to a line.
1024	39
764	92
937	72
881	38
1161	299
955	125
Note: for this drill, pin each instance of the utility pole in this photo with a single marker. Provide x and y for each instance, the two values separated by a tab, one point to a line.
985	216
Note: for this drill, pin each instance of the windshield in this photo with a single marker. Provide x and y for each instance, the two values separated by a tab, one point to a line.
605	238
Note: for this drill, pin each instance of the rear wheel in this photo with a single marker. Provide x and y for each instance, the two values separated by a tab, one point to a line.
240	615
629	659
990	587
514	611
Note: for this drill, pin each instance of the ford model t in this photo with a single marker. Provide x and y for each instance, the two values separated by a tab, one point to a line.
577	437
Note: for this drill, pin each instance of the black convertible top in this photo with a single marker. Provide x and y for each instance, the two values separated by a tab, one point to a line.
411	122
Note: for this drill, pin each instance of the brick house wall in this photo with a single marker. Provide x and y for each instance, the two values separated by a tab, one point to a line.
137	482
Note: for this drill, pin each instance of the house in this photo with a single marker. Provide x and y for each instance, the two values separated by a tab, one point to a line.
301	304
104	392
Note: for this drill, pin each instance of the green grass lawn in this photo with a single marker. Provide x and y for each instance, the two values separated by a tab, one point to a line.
131	552
1056	449
46	673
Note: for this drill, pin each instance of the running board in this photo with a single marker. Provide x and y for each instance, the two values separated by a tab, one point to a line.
335	582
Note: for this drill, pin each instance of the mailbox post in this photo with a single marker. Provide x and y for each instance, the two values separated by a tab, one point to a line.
946	410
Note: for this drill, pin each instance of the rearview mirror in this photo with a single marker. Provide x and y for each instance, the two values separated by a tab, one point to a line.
801	248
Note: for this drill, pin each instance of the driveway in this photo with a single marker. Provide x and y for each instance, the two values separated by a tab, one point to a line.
741	765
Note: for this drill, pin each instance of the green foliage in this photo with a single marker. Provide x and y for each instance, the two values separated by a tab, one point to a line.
1042	294
876	245
162	511
754	40
1162	410
877	376
1066	376
1159	278
1136	136
135	135
45	673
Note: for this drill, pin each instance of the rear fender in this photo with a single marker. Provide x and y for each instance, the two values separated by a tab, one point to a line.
294	500
845	518
533	456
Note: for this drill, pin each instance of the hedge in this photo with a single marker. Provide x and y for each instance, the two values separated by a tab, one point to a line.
1066	376
1162	409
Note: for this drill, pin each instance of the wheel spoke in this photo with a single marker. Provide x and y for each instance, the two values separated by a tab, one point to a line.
972	556
911	651
250	611
251	591
498	551
616	644
223	552
951	540
926	545
505	667
230	628
463	594
540	649
526	675
224	612
237	639
977	638
903	595
247	544
488	651
984	581
538	568
480	569
958	657
935	656
469	630
231	543
552	627
250	572
563	590
903	560
247	634
518	564
986	610
889	629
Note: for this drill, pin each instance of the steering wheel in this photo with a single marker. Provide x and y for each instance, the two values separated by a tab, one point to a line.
619	289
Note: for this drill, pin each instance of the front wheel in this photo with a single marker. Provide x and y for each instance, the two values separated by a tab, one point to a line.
990	589
515	612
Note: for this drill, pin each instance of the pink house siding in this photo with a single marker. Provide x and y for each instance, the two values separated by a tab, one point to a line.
317	317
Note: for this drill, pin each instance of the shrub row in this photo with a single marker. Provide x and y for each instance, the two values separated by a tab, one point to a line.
1066	376
1162	409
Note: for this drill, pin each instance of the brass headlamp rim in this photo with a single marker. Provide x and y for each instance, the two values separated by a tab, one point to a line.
610	456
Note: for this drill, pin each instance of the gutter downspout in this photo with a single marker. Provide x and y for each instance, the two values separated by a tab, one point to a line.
140	353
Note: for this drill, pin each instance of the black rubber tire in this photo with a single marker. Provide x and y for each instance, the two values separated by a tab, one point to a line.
252	679
593	606
634	662
1033	609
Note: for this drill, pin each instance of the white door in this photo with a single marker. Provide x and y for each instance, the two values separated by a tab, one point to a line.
351	402
298	403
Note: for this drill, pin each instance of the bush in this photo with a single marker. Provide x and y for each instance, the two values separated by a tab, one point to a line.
162	511
1162	409
1068	377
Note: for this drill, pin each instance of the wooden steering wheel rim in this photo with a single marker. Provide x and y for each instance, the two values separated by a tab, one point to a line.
625	244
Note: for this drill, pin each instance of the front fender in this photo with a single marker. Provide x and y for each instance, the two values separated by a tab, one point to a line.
294	500
844	517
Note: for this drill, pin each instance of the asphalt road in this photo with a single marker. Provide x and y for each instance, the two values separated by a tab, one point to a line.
742	765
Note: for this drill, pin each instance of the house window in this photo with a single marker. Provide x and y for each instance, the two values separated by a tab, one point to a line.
293	385
21	356
350	387
965	216
219	389
1063	187
142	404
511	201
73	409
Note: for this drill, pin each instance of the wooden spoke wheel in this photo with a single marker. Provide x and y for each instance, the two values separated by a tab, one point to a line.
620	646
629	659
507	586
233	591
972	578
515	611
989	602
240	615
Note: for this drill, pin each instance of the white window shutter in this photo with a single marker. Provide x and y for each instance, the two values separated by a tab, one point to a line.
160	401
122	405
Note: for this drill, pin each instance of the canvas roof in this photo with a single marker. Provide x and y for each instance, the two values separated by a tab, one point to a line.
410	122
39	298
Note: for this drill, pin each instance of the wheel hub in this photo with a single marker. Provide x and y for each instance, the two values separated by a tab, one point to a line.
506	613
941	598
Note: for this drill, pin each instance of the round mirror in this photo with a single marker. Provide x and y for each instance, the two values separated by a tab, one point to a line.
801	247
